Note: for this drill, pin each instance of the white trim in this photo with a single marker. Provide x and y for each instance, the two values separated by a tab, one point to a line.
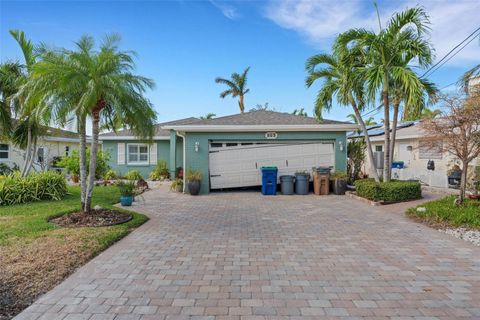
256	128
131	138
182	135
9	151
61	139
138	163
381	137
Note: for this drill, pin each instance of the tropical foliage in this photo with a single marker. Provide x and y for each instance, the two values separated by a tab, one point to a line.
160	172
133	175
237	87
72	163
355	158
208	116
15	189
92	83
300	112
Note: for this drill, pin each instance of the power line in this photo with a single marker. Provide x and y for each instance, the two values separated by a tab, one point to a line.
448	53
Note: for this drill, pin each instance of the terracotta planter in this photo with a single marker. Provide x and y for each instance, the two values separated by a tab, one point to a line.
473	196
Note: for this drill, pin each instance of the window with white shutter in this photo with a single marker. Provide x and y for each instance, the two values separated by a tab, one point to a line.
121	153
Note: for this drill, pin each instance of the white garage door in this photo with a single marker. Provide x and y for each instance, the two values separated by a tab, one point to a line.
237	164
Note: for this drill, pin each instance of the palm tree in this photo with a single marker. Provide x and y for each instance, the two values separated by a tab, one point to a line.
368	122
339	74
98	84
236	87
403	39
464	80
24	126
208	116
300	112
10	72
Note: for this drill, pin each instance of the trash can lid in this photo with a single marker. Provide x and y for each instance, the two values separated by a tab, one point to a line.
287	177
272	168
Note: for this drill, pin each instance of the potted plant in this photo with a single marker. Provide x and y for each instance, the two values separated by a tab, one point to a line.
194	178
339	182
177	185
127	192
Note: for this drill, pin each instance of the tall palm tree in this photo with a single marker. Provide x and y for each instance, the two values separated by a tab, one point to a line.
236	87
403	39
368	122
99	84
338	73
24	126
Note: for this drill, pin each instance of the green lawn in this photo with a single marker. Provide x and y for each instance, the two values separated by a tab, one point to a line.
36	255
443	212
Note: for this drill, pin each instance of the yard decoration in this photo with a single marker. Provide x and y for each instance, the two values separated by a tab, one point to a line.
194	178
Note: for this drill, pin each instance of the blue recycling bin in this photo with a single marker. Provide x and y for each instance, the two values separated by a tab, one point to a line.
269	181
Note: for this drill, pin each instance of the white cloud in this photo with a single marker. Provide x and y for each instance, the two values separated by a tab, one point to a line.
319	21
227	10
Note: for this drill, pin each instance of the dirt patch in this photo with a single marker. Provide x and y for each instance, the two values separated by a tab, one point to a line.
95	218
31	268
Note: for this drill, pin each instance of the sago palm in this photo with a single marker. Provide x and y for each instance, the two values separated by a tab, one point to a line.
98	83
237	87
403	39
339	79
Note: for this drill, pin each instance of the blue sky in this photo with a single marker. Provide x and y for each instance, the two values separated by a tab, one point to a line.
184	45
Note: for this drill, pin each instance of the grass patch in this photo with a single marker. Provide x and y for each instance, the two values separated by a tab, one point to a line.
443	213
36	255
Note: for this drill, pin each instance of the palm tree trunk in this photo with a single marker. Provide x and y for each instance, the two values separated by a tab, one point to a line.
386	148
372	168
241	104
32	156
396	107
83	158
28	151
93	157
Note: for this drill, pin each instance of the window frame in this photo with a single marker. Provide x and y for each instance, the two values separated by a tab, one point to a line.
381	147
5	151
138	153
433	152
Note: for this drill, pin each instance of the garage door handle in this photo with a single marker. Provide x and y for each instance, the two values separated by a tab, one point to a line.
286	162
215	175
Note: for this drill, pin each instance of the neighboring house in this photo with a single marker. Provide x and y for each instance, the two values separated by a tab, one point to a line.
412	148
55	143
229	151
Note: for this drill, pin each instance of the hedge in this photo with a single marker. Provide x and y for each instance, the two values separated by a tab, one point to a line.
393	191
15	189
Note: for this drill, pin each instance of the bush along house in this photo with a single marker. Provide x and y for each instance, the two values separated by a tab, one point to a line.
229	151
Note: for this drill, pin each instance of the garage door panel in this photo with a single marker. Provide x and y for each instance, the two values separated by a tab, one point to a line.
239	166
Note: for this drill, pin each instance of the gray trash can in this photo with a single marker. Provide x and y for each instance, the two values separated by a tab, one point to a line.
301	183
286	184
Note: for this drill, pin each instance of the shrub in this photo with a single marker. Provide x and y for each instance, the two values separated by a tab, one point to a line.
5	169
72	163
393	191
133	175
110	175
341	175
160	172
15	189
126	189
193	175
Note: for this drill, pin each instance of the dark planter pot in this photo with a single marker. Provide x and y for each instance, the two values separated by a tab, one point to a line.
193	187
126	201
339	186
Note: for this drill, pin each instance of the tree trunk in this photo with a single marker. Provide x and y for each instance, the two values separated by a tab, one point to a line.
240	104
386	149
28	151
372	169
93	156
83	158
463	182
396	107
32	156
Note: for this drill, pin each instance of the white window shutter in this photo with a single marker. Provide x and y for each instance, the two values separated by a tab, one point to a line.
121	153
153	153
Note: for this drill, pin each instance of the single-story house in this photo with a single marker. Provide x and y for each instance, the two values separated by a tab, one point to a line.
53	144
412	149
229	151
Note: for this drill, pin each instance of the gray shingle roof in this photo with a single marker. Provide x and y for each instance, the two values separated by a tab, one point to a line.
159	132
262	117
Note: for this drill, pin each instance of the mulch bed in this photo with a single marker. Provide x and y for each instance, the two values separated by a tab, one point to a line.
94	218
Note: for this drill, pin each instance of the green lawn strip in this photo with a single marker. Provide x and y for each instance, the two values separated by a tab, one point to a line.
443	213
31	220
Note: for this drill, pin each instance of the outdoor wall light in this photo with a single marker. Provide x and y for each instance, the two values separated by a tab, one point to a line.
340	145
197	146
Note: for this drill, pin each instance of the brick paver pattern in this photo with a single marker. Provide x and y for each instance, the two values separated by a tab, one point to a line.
241	255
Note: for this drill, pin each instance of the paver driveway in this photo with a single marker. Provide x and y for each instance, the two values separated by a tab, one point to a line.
245	256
